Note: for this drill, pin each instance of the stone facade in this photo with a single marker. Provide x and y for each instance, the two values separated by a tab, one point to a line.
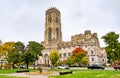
53	40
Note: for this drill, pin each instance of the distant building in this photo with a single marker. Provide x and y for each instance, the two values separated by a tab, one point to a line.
53	40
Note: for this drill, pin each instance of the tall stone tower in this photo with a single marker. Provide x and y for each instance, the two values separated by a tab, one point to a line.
53	34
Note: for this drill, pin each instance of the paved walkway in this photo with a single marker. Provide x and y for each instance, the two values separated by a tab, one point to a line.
31	76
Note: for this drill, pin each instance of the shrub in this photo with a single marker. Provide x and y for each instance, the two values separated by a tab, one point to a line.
7	66
40	69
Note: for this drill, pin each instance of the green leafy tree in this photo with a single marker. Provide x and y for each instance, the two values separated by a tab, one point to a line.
69	61
28	56
19	46
112	46
15	56
33	52
54	57
118	50
36	48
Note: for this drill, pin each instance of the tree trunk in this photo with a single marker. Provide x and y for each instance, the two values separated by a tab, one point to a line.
27	64
34	64
51	66
13	66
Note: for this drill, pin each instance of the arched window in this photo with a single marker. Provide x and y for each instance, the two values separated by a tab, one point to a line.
56	20
57	33
64	54
46	59
92	59
91	52
49	34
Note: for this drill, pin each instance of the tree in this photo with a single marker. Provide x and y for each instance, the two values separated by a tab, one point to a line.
2	51
78	54
69	61
33	52
112	46
19	46
15	56
37	47
7	47
54	57
84	60
27	57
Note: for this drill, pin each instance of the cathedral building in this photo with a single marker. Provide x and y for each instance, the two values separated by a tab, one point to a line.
53	41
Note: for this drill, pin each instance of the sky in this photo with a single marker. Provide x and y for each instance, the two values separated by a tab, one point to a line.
24	20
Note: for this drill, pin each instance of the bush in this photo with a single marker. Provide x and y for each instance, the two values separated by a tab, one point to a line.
7	66
40	69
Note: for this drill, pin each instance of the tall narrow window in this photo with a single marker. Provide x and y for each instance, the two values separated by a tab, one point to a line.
91	52
56	20
64	54
92	59
49	34
60	55
69	54
57	33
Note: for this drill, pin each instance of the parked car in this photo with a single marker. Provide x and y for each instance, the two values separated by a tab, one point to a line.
63	67
95	66
117	67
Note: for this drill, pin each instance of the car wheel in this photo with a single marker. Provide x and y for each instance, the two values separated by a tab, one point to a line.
102	68
115	69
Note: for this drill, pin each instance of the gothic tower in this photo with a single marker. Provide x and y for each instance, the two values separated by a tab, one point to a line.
53	34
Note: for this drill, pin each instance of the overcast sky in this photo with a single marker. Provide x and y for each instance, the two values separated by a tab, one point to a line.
24	20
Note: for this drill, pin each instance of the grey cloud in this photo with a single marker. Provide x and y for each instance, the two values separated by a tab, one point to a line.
25	19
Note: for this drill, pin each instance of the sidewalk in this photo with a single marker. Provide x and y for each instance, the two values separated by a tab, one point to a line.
30	76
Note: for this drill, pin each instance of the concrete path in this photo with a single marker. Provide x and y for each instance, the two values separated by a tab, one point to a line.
30	76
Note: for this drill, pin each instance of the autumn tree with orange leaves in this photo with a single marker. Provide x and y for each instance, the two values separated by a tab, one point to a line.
79	56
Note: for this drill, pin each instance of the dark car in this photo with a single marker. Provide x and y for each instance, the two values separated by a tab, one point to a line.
95	66
117	67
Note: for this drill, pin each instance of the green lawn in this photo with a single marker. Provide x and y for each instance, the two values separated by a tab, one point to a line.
91	74
7	71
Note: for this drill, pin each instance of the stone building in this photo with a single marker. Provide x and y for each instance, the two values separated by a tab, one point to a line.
53	40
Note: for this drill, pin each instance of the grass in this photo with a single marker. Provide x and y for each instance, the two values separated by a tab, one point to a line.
7	71
91	74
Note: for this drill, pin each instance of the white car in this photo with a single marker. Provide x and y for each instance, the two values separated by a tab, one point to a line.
63	67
